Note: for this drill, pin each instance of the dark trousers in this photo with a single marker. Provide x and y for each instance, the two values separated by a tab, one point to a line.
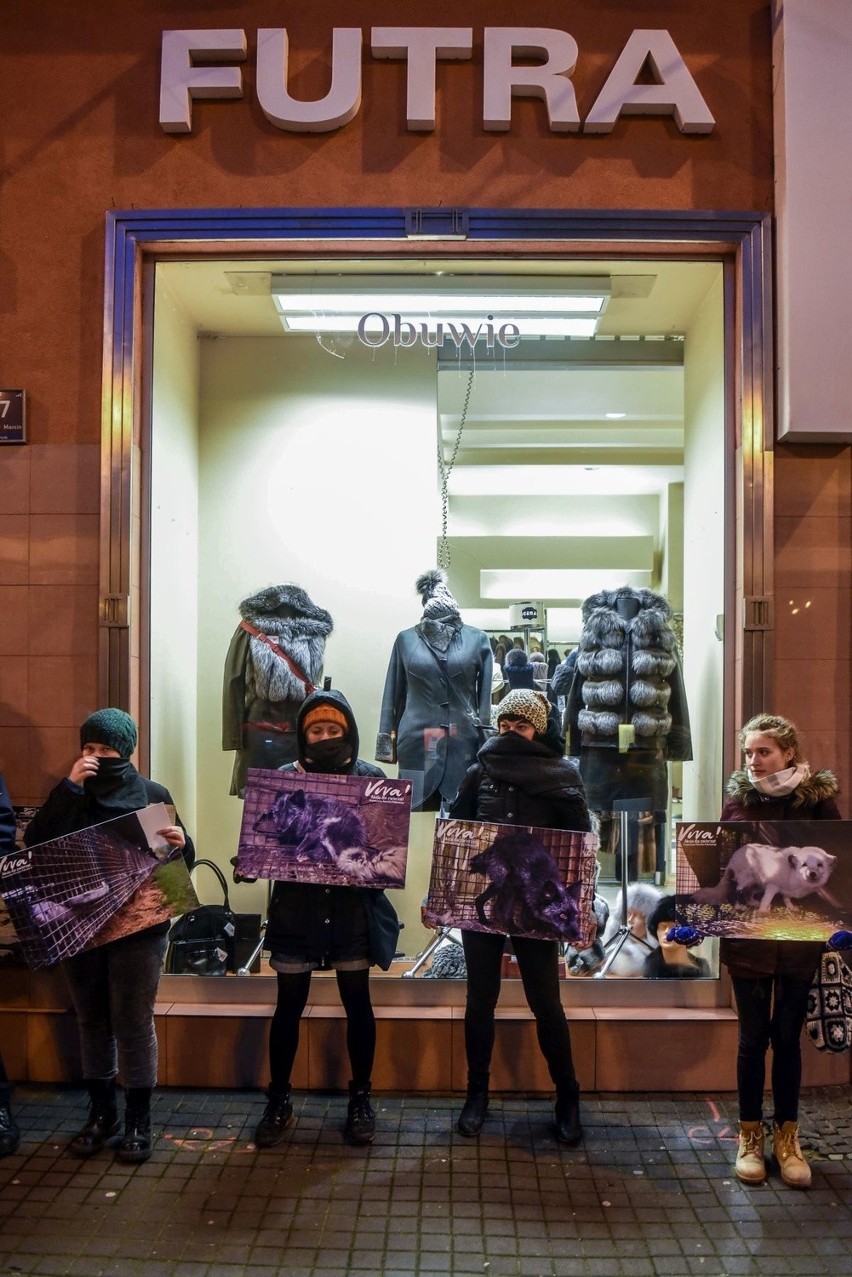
5	1089
354	988
113	989
538	963
772	1012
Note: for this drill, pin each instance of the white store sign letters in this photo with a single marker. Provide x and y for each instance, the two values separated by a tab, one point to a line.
192	67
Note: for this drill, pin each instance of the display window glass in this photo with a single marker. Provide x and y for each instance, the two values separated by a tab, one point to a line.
324	432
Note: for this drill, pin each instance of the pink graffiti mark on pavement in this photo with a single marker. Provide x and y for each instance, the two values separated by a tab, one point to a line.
200	1140
706	1133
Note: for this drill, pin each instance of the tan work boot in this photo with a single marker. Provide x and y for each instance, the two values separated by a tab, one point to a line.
792	1165
750	1166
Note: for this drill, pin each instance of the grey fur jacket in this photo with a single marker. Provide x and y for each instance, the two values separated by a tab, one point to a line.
261	695
433	705
628	671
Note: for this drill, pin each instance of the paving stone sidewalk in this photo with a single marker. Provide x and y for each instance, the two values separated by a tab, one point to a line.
651	1191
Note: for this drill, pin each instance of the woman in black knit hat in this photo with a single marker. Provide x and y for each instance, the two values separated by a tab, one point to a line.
113	986
520	778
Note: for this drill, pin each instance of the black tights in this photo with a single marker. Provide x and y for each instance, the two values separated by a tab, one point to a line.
538	962
354	988
771	1010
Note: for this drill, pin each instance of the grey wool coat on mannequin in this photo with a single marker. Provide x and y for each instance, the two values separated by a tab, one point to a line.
433	705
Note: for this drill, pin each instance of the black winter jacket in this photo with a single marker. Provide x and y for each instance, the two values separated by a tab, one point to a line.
523	782
310	921
814	799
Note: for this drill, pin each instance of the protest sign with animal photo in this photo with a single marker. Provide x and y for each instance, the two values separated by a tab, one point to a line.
513	879
765	880
349	831
94	885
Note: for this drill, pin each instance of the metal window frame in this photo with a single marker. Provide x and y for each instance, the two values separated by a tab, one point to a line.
136	239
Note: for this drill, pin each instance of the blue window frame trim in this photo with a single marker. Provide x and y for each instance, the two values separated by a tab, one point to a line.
744	239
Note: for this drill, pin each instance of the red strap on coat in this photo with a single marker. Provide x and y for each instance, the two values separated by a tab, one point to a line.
270	643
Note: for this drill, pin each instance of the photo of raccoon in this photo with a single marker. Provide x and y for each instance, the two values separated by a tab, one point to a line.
298	832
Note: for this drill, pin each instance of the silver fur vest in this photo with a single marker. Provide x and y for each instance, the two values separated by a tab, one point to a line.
628	672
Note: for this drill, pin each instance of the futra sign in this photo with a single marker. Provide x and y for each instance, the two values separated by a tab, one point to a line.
534	62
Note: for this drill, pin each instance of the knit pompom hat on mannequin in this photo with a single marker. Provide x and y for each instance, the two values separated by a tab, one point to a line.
438	602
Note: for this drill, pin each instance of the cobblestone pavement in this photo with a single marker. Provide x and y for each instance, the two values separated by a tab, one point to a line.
651	1191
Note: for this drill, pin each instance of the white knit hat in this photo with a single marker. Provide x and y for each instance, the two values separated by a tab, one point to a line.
532	707
438	602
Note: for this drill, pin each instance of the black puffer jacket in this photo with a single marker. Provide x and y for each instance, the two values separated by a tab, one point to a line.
524	782
814	799
308	921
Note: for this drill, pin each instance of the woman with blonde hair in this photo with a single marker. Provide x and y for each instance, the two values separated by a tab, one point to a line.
771	978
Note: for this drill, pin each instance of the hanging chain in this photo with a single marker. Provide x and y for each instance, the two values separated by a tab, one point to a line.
446	471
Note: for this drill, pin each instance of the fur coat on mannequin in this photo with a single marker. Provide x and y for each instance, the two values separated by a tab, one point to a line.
261	694
628	672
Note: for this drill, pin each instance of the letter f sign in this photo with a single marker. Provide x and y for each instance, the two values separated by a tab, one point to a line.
181	79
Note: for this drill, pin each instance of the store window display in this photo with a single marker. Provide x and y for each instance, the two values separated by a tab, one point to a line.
671	960
274	661
626	714
437	697
638	945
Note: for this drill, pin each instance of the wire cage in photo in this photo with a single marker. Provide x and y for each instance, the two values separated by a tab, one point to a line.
349	831
513	879
61	894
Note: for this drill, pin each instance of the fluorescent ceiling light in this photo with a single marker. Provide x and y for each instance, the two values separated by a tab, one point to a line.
538	307
557	583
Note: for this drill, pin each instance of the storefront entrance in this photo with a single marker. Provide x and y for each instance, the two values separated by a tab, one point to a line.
269	457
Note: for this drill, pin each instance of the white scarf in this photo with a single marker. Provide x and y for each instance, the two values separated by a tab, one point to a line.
779	784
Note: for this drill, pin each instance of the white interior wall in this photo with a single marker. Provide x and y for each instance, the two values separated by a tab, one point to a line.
671	545
174	554
321	472
703	553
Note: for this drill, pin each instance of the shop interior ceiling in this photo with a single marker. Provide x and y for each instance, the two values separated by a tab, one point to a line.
569	449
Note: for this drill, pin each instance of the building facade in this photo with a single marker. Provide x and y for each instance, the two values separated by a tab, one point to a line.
163	168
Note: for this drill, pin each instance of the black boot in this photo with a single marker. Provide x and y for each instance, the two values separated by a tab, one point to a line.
136	1145
103	1120
567	1117
277	1116
10	1134
472	1117
360	1118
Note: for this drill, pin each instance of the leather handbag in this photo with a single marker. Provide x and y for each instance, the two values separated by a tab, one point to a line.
212	940
828	1019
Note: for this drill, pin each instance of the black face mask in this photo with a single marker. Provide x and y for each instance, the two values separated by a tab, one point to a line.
115	788
328	755
112	773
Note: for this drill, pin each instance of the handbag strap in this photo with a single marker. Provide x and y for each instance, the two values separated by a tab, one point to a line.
279	652
208	864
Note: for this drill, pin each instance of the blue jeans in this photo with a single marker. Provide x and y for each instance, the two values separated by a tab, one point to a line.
772	1010
113	989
